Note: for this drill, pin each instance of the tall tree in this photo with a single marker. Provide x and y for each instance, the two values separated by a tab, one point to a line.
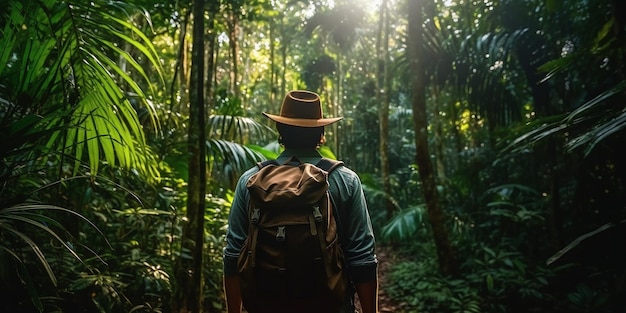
188	297
436	216
383	90
233	21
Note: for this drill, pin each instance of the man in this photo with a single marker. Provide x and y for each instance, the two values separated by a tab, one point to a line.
301	131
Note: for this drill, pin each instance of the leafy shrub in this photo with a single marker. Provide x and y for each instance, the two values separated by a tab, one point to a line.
415	284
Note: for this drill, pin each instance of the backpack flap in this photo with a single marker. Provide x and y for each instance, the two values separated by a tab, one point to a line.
282	185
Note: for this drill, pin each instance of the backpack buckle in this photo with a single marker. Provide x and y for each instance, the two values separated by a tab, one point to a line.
317	214
256	215
280	233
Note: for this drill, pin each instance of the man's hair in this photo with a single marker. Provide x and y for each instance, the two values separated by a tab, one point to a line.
300	137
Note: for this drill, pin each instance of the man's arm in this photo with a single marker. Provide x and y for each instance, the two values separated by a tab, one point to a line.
235	237
368	296
233	294
358	237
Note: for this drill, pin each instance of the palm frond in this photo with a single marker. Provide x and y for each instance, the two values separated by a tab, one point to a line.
238	128
234	154
589	241
405	224
13	221
59	59
588	125
230	159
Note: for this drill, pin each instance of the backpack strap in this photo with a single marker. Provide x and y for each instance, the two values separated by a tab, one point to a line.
265	163
328	165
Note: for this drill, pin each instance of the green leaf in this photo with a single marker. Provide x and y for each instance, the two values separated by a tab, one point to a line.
489	283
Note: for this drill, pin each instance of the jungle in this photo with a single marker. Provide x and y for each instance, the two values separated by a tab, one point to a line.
487	135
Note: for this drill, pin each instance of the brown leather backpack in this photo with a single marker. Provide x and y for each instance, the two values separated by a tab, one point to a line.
292	253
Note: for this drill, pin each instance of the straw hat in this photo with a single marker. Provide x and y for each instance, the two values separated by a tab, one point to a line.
302	108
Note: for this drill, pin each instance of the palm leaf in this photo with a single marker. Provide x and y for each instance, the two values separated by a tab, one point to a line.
30	214
65	67
589	241
404	224
229	159
236	155
237	128
14	220
592	122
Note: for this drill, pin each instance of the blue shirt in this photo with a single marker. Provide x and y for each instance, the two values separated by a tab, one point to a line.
347	192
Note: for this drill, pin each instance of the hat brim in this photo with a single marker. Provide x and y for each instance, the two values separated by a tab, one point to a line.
302	122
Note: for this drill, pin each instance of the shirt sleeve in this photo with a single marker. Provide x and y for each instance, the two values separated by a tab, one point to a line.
356	231
237	225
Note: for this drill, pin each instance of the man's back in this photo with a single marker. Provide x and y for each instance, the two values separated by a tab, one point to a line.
300	125
293	252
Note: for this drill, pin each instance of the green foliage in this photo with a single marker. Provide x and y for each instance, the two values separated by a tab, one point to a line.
504	277
491	221
415	285
136	271
405	224
586	299
79	131
409	214
29	232
493	280
57	60
215	237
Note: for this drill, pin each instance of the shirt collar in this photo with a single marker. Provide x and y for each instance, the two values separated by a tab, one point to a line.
304	155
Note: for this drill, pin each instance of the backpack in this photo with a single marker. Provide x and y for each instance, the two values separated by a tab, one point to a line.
292	251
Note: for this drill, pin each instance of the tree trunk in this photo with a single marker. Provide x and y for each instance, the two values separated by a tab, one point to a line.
436	216
188	289
619	29
383	88
339	99
209	60
439	138
184	72
179	71
273	75
283	56
234	51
